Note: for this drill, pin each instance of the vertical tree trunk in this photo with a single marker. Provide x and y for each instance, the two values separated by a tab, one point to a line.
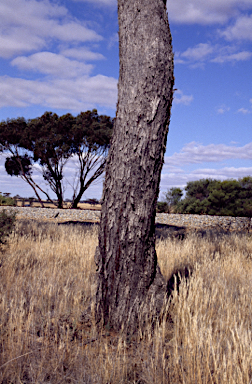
130	286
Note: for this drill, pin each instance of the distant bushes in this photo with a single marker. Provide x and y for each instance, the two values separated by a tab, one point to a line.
214	197
162	207
6	200
7	222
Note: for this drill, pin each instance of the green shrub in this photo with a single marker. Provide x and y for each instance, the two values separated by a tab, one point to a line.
162	207
7	223
6	200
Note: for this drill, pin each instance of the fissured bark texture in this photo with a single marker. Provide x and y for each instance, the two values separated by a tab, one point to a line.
130	286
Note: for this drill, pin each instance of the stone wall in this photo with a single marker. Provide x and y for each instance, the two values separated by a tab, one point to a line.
225	223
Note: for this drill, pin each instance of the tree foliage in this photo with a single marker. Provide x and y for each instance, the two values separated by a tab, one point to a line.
15	165
91	135
50	142
215	197
172	198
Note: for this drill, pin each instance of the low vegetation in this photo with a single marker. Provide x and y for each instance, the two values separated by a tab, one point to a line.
7	222
48	333
212	197
6	200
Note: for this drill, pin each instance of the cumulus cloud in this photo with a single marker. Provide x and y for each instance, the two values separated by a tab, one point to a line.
52	64
205	12
100	2
223	173
240	56
196	11
205	52
82	54
28	25
180	98
73	94
244	111
198	52
240	30
195	153
223	109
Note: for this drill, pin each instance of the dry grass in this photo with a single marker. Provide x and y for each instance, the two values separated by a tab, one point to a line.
94	207
47	332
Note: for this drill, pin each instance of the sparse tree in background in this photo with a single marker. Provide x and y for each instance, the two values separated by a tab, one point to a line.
130	286
173	197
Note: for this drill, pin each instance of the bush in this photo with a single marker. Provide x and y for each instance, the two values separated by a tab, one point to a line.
6	200
7	222
162	207
215	197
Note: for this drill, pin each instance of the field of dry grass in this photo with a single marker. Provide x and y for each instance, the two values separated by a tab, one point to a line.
95	207
47	331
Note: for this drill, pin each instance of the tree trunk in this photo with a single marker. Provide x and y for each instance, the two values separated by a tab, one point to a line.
130	286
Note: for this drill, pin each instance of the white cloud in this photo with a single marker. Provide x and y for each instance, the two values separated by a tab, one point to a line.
240	56
114	39
244	111
73	94
73	32
195	153
199	52
223	109
52	64
100	2
16	43
28	25
205	12
82	54
223	173
196	11
241	30
180	98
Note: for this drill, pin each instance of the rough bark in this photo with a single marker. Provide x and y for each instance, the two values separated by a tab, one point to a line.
130	286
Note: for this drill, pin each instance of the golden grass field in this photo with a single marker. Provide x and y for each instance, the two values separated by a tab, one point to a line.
48	333
95	207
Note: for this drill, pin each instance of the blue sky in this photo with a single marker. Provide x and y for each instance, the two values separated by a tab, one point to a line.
62	56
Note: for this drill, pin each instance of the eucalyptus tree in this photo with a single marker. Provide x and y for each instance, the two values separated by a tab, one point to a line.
51	140
51	144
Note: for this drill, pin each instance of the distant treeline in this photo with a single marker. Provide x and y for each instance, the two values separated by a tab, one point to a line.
211	197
